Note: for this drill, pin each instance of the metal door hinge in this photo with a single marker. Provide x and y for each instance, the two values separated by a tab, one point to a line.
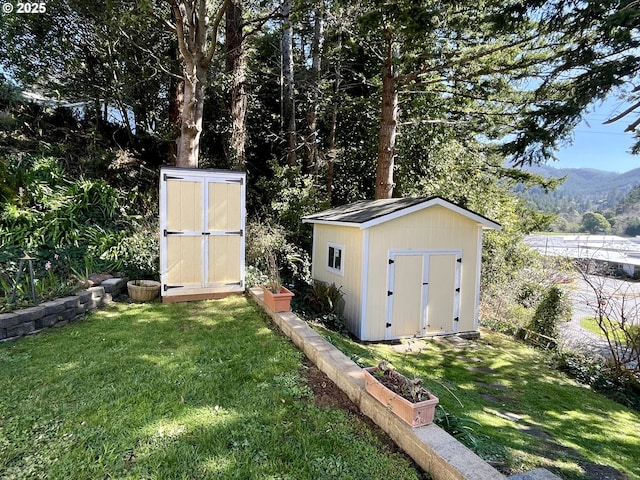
388	325
389	293
391	262
167	287
170	232
169	177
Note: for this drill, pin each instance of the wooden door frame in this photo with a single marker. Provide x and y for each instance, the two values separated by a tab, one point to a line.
424	301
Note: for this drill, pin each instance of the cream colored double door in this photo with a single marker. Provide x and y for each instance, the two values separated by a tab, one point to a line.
423	296
201	231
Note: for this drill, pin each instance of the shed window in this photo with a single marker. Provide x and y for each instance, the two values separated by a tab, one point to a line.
335	258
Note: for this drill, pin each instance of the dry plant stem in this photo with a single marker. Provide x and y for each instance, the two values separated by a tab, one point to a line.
274	274
616	312
409	389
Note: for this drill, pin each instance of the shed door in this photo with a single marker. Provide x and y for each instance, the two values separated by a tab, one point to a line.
202	234
224	233
183	233
423	294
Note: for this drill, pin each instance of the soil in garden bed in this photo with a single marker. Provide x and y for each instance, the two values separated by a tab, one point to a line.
328	394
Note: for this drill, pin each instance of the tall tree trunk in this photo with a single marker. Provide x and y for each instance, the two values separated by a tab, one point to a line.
289	108
192	112
388	125
176	100
333	151
196	32
311	138
236	65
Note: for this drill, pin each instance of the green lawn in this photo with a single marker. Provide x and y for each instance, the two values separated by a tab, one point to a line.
530	414
591	324
176	391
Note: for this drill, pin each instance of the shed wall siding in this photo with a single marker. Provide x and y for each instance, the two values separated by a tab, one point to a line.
435	228
351	239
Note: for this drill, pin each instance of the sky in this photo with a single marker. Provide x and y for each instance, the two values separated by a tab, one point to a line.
604	147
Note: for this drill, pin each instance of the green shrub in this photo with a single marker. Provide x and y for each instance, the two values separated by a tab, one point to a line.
55	211
324	297
85	223
553	308
264	240
135	251
623	387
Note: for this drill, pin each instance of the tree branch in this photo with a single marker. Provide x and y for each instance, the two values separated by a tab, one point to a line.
260	22
463	61
214	32
150	53
182	45
622	115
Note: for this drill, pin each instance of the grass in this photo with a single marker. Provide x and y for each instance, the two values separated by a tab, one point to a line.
530	414
175	391
591	324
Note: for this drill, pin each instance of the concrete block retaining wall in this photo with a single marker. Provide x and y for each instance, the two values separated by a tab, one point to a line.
59	312
432	448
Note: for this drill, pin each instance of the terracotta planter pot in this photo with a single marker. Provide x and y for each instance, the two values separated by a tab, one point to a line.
143	290
414	414
278	302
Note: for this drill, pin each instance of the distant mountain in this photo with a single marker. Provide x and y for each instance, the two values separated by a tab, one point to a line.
584	189
590	179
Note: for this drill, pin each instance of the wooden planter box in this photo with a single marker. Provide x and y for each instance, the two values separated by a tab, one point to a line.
143	290
414	414
278	302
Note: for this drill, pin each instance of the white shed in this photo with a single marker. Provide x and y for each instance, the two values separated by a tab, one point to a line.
202	223
407	266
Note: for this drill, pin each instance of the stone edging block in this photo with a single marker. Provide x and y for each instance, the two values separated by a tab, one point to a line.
58	312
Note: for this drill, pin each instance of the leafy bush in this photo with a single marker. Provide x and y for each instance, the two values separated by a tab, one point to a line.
553	308
323	303
85	223
54	211
264	240
292	195
622	388
323	297
135	251
334	322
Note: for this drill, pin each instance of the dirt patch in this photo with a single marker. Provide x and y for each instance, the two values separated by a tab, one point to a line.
483	370
328	394
491	386
501	399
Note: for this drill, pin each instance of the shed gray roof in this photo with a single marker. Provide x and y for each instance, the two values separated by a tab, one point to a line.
367	213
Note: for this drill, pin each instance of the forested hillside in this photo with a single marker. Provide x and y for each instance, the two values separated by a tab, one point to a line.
582	189
586	190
